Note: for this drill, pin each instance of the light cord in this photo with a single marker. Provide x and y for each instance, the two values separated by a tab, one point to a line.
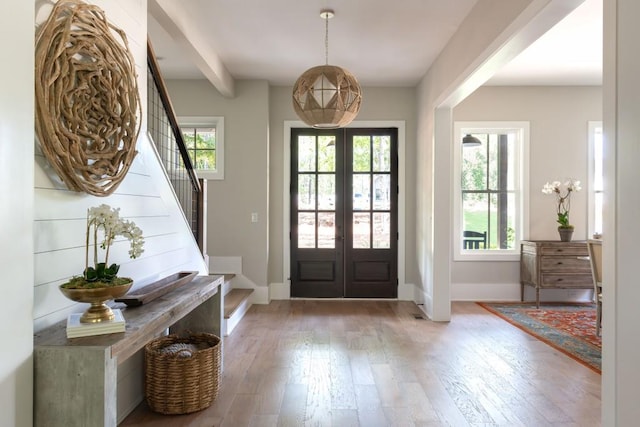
326	39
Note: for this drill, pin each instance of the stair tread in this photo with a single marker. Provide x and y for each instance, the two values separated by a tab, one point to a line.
234	299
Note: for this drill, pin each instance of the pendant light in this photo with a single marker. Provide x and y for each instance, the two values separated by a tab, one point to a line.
327	96
470	141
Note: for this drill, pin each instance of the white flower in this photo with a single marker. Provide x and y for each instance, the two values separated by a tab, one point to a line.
563	198
548	188
106	219
134	234
573	185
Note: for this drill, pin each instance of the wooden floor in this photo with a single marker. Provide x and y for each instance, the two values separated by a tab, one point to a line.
372	363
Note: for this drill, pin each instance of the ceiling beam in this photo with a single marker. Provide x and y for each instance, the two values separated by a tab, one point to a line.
534	18
175	22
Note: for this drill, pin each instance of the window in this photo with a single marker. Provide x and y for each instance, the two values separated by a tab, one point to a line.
204	138
491	186
595	184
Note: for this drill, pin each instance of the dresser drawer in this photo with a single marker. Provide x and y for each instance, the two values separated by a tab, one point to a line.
580	281
564	250
564	264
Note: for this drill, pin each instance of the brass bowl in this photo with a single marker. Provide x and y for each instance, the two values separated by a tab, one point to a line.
97	297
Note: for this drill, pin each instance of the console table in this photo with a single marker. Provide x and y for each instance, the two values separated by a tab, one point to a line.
75	380
551	264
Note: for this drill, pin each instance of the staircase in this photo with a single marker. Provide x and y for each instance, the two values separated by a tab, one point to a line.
236	303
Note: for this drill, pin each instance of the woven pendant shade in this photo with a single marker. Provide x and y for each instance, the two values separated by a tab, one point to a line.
327	96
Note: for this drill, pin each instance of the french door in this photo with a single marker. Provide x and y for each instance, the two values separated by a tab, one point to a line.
344	220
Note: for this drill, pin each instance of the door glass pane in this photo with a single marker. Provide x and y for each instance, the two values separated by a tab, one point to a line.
306	154
361	231
306	191
381	192
326	230
326	192
382	153
381	230
361	154
327	153
361	192
306	230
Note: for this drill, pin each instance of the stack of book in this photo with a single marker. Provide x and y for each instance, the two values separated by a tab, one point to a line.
76	329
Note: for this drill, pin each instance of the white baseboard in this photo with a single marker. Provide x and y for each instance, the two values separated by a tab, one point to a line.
407	292
279	291
426	304
260	295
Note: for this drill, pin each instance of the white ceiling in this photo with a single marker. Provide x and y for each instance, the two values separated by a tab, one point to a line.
381	44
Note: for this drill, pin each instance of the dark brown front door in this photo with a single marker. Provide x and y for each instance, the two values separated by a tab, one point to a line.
344	194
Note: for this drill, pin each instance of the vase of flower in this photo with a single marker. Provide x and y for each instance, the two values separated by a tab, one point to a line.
563	200
99	282
97	297
565	233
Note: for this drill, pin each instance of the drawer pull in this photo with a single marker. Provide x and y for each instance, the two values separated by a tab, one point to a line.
559	262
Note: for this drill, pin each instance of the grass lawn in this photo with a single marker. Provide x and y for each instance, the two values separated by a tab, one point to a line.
477	221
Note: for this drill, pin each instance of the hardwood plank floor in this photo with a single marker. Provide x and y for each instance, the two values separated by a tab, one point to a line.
372	363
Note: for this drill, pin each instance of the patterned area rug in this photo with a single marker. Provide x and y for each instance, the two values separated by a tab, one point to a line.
570	328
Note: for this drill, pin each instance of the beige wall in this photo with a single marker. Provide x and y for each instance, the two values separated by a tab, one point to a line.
245	188
558	118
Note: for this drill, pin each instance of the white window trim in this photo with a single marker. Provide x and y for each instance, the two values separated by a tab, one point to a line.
592	126
461	129
218	123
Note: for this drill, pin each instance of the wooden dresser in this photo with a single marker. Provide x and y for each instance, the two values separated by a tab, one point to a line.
551	264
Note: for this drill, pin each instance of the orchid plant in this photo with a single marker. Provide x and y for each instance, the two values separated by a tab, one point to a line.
562	192
105	222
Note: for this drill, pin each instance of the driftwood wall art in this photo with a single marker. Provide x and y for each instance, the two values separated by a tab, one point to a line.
87	100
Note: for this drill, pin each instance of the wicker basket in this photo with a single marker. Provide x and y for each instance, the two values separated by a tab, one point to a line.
182	373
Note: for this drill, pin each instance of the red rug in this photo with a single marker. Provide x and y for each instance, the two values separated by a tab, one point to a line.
570	328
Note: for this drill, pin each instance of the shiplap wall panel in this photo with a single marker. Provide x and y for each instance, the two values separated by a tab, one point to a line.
54	234
64	204
134	183
64	263
144	196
